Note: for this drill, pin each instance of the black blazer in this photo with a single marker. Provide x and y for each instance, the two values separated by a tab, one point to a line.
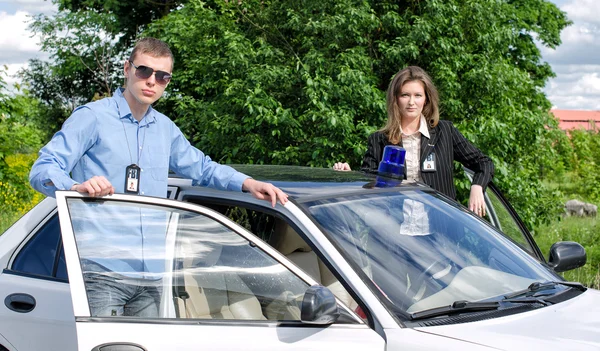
448	144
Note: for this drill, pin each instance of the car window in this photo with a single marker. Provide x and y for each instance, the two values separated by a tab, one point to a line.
504	221
257	222
185	264
43	255
423	251
283	236
500	217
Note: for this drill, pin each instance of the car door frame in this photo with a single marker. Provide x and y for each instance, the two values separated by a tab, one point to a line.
79	297
515	216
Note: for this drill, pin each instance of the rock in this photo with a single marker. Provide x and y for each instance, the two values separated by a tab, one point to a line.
590	210
575	208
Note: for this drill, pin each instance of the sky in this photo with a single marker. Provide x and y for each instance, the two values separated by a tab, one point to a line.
576	61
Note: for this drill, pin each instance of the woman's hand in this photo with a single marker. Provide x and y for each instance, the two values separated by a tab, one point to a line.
341	166
476	200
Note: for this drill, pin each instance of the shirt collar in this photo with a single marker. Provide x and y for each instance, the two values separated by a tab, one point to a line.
125	112
423	129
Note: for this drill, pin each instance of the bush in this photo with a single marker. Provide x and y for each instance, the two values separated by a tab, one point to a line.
16	195
19	140
576	172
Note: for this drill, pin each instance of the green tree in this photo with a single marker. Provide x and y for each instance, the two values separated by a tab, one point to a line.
586	169
303	82
57	93
85	62
87	42
295	92
483	58
18	135
130	16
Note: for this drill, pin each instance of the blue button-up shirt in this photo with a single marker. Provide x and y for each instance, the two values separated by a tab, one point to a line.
102	138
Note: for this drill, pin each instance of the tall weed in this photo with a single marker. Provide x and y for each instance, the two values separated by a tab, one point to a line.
582	230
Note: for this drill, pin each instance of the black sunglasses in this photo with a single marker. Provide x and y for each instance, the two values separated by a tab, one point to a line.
144	72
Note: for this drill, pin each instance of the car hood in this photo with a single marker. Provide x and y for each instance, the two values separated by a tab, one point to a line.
570	325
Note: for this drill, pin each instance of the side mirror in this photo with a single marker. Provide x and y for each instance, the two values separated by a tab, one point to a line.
319	306
566	255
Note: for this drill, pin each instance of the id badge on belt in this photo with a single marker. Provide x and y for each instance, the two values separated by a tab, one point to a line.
429	163
132	179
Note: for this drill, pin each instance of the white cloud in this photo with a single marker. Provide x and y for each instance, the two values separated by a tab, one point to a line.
15	39
583	10
571	72
24	2
575	61
588	84
574	102
580	44
582	33
576	87
32	6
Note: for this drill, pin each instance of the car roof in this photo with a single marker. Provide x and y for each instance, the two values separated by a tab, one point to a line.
305	183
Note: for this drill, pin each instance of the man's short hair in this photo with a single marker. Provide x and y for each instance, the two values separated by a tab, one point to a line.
153	47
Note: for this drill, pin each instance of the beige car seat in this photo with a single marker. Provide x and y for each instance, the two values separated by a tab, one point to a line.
215	292
289	243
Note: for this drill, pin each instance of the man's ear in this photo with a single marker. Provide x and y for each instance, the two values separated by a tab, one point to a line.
126	68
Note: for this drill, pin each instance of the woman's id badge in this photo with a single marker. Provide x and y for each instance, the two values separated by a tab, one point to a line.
132	179
429	163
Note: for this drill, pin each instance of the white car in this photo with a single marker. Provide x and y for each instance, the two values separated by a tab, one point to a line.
352	262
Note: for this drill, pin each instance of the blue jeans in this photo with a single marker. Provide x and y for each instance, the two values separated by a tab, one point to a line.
109	295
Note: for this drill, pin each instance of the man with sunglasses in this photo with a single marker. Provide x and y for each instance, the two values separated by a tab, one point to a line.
121	144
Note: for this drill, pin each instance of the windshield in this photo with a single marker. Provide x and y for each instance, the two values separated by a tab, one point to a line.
421	251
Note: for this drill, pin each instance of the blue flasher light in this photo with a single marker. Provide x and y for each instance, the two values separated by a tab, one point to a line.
391	168
392	162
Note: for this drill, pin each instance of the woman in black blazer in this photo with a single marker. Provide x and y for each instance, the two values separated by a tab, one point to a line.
431	145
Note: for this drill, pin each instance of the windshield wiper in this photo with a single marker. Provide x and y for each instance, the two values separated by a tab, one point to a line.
528	300
456	307
540	286
467	306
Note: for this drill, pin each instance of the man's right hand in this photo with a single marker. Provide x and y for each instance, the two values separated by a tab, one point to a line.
95	186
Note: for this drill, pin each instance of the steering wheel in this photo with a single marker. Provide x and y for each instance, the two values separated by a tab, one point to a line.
435	271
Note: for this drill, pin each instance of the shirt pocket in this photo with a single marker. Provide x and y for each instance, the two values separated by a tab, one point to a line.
158	164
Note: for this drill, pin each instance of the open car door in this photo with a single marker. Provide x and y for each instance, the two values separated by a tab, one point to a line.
155	274
503	216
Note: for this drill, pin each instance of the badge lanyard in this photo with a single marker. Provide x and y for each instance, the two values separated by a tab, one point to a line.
133	171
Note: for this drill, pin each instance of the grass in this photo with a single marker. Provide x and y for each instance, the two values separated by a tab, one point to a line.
582	230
